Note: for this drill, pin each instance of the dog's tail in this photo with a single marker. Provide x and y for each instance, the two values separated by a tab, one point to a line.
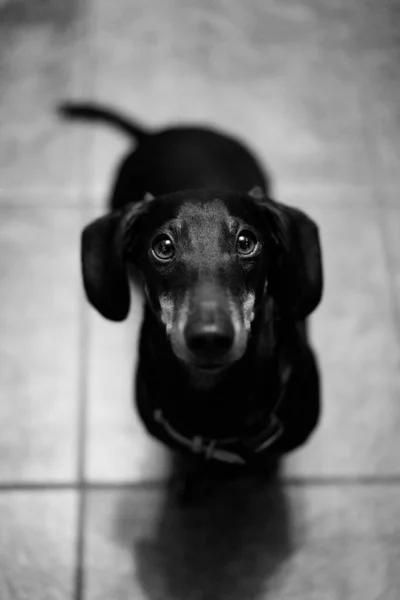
91	112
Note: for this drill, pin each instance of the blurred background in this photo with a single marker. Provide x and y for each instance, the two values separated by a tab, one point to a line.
86	506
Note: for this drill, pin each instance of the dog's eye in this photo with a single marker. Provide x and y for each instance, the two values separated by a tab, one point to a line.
163	247
246	242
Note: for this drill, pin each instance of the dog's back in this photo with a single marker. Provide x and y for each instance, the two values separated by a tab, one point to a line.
175	159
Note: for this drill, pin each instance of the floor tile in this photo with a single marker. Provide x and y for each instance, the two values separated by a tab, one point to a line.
391	228
370	46
245	540
270	74
358	349
39	343
37	555
40	44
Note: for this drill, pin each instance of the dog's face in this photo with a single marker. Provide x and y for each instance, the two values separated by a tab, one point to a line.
204	265
207	260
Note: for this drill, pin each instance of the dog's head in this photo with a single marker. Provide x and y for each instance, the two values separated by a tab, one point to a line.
207	261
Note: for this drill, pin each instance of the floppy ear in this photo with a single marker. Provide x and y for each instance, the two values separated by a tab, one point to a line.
104	276
296	278
103	269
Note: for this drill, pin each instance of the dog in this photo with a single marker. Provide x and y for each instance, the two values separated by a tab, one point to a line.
226	372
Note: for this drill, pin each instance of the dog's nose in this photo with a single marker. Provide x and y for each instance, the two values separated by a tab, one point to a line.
209	341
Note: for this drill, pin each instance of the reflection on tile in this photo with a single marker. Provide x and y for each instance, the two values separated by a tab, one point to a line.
245	540
38	343
118	446
271	75
39	43
356	342
37	554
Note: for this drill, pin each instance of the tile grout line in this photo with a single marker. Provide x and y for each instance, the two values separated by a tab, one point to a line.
161	484
81	449
79	581
95	206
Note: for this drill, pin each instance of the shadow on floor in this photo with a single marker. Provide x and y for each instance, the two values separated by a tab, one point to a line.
226	542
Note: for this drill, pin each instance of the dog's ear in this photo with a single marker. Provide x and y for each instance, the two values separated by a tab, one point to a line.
104	274
296	280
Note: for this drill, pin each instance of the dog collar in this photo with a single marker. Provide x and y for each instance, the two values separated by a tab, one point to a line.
235	450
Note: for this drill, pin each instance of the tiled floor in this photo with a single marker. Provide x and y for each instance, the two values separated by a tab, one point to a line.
86	510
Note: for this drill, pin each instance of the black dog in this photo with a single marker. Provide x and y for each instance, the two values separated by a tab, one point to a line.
229	275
